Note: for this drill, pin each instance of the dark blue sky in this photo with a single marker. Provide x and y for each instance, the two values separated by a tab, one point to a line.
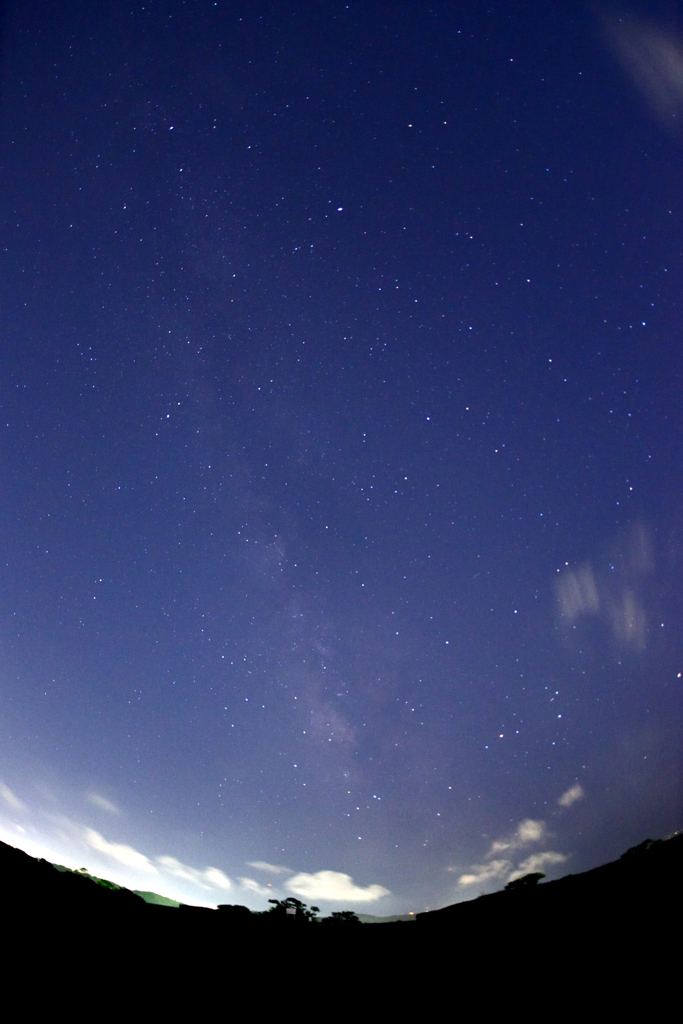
341	443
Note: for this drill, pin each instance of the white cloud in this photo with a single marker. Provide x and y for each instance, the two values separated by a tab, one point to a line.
209	878
175	867
653	57
270	869
103	803
333	885
10	799
251	885
502	870
119	852
481	873
615	594
216	878
577	593
528	831
573	794
321	885
536	862
629	622
497	868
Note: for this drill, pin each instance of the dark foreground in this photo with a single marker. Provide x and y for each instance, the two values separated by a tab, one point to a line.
613	932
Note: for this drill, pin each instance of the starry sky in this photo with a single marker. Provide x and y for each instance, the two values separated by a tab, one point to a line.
340	518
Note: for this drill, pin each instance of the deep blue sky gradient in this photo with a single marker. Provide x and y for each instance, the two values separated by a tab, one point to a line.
341	440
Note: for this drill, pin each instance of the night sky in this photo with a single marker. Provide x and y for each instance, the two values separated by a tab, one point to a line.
340	520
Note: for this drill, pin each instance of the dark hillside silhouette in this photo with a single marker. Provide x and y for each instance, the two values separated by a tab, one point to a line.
620	913
36	887
630	896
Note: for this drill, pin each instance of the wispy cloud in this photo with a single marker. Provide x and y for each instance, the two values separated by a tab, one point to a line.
479	874
208	878
252	886
577	593
119	852
629	623
104	805
528	831
653	57
614	592
333	885
216	878
10	799
270	869
536	862
125	864
571	795
502	869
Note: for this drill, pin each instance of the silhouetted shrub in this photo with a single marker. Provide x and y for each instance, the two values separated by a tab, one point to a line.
341	917
526	880
235	912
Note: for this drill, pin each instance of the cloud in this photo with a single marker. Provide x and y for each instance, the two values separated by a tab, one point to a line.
321	885
497	868
103	803
10	799
480	873
577	593
209	878
653	57
502	870
573	794
251	885
333	885
528	831
119	852
614	592
536	862
629	622
216	878
270	869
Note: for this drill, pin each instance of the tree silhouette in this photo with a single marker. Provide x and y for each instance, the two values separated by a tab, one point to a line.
301	913
526	880
342	917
